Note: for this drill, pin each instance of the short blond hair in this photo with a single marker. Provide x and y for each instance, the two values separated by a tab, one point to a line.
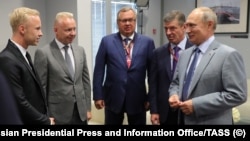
20	15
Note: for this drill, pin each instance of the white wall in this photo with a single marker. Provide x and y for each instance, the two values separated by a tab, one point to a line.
84	30
5	27
152	20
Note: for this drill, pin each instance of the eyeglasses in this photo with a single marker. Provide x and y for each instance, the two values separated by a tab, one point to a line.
127	20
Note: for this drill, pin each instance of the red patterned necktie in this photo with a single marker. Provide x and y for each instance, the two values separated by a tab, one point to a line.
128	49
175	58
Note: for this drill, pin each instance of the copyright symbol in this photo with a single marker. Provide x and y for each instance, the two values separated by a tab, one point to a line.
238	133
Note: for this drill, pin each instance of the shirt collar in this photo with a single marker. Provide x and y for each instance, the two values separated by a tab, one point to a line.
204	46
60	45
182	44
22	50
131	37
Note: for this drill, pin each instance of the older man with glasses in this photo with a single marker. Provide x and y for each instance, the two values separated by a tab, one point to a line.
122	64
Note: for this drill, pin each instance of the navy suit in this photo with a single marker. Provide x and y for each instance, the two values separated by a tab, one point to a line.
31	99
123	90
161	77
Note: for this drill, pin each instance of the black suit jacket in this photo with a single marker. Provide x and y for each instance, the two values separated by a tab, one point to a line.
159	82
26	86
9	111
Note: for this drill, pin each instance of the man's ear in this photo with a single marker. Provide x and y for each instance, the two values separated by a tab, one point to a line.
21	29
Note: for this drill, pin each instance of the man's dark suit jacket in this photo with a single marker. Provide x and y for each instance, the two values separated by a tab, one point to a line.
9	111
26	86
161	77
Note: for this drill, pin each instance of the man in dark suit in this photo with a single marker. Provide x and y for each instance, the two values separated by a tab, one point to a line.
67	85
9	111
218	81
29	95
163	67
123	67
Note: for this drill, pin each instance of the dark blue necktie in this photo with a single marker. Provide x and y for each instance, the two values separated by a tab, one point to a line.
190	74
126	40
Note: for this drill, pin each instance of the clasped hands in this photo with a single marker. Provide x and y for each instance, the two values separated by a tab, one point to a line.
185	106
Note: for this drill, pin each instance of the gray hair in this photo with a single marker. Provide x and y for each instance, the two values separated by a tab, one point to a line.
125	9
208	15
175	14
62	15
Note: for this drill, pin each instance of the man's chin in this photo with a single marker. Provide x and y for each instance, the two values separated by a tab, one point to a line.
171	40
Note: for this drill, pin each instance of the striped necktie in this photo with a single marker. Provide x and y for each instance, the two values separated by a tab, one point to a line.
175	58
69	62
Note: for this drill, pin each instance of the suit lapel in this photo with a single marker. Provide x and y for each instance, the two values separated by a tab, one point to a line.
184	61
167	60
203	64
59	57
77	61
13	48
136	48
120	48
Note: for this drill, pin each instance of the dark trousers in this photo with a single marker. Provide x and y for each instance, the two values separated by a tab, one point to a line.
75	120
112	118
182	121
172	118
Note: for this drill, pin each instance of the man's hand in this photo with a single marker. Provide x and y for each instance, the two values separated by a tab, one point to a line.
146	105
174	101
89	115
99	104
187	107
52	121
155	119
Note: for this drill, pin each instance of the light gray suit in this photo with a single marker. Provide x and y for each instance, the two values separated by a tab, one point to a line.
219	84
61	90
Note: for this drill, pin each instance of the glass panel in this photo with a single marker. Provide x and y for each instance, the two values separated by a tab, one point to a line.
98	24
